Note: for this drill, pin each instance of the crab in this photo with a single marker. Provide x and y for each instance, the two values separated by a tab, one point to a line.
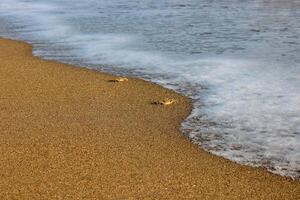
165	102
119	79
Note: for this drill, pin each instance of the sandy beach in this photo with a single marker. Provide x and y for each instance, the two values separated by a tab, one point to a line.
71	133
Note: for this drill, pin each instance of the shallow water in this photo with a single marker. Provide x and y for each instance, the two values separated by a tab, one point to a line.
238	60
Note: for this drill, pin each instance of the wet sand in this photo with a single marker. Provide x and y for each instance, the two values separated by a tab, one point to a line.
70	133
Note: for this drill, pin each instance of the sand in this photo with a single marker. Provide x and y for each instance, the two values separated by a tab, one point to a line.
70	133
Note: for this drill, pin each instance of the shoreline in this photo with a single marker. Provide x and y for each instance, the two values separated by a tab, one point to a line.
68	133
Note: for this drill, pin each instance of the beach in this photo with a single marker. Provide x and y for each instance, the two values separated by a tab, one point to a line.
72	133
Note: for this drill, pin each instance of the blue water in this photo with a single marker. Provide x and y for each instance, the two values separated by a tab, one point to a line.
239	60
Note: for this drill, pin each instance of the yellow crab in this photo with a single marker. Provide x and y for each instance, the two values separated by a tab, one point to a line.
119	79
165	102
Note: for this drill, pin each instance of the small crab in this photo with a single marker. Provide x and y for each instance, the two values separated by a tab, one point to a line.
119	79
165	102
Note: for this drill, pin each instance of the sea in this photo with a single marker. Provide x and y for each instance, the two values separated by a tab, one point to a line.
238	60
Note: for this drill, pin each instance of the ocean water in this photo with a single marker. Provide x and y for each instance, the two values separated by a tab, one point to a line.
239	60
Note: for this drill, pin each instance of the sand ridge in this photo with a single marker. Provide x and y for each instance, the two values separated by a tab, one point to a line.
70	133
